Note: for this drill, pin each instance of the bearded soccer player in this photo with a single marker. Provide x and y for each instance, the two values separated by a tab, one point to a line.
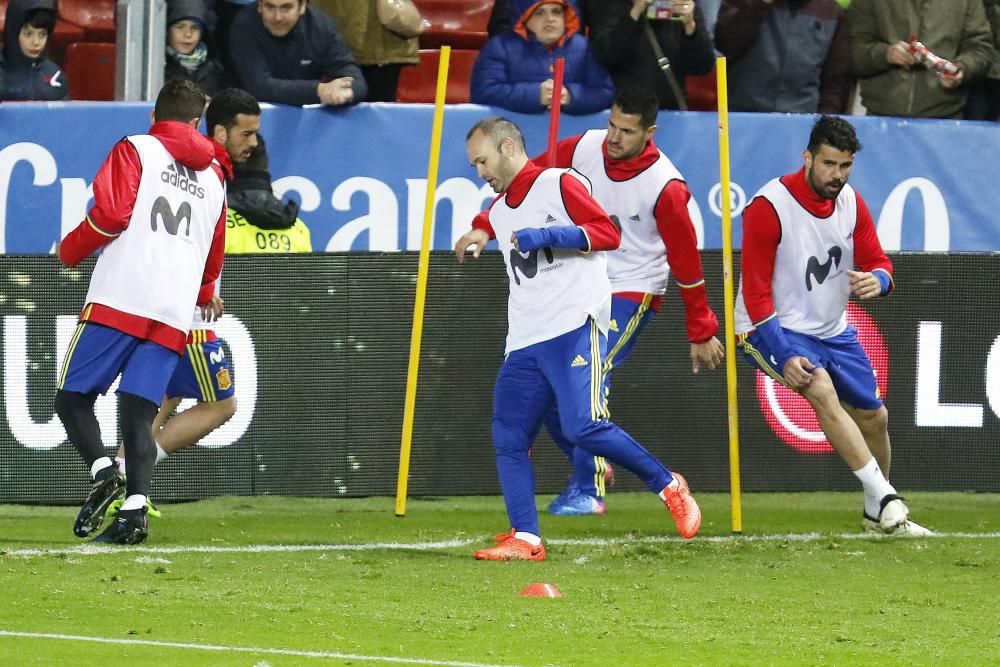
552	233
159	216
805	237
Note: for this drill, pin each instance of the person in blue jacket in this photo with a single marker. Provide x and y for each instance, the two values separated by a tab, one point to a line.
29	74
514	70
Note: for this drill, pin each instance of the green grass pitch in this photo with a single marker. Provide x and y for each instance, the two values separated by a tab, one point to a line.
285	581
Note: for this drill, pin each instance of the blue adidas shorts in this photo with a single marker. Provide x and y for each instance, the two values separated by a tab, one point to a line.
98	354
628	319
842	356
202	373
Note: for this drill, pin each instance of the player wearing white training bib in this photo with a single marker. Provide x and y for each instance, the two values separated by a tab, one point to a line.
553	290
803	236
551	232
160	216
640	188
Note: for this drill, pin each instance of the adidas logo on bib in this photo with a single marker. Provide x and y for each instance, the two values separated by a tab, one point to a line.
579	361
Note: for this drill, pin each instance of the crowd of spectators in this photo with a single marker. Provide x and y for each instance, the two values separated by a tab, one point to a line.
932	59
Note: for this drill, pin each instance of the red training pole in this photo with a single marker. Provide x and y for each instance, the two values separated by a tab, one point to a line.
557	86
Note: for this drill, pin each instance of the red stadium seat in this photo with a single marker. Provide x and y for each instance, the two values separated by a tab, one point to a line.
460	24
96	17
701	92
419	83
90	69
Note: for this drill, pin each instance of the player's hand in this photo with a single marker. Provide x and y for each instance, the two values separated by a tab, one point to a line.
798	372
529	238
212	310
899	54
864	285
474	237
710	353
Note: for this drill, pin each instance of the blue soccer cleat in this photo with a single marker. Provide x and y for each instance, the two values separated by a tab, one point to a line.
572	502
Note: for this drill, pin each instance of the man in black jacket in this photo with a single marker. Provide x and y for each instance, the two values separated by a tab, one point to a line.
286	52
620	40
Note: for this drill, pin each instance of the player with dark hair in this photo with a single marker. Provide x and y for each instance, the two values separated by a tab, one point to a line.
551	233
640	187
803	236
232	120
159	215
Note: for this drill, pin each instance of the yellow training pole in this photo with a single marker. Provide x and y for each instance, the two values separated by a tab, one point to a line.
418	305
725	204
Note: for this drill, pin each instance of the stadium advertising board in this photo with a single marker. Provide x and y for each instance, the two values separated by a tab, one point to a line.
319	347
360	173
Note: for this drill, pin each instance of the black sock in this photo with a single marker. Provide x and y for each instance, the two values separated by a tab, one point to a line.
137	415
76	411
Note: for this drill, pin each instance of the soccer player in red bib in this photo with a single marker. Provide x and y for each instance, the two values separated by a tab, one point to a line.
159	216
803	236
552	235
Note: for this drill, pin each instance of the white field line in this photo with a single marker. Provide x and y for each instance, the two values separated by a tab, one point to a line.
247	649
91	549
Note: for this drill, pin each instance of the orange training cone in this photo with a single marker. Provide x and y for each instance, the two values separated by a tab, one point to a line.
537	590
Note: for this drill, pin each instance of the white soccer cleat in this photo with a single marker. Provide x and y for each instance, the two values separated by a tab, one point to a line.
911	529
894	513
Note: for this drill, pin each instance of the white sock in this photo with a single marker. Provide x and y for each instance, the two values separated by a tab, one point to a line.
876	487
672	486
530	538
99	465
160	453
134	502
120	462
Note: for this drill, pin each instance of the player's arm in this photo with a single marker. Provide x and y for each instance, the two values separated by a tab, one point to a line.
592	228
115	189
213	264
564	153
761	235
875	277
673	221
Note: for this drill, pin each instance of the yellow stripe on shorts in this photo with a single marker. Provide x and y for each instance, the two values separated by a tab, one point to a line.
69	353
630	329
762	362
199	362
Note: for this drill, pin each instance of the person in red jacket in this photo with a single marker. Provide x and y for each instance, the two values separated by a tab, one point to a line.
552	234
805	237
159	219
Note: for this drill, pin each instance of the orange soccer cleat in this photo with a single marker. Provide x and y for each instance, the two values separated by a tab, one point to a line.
509	547
680	502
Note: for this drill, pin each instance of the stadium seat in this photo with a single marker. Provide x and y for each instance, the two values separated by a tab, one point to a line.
90	69
96	17
419	83
460	24
701	92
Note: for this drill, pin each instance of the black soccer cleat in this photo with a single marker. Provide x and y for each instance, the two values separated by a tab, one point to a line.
107	487
128	527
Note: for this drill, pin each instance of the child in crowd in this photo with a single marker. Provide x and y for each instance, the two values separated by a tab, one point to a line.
188	55
28	74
